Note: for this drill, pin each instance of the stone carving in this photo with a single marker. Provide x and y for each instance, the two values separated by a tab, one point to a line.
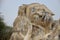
35	22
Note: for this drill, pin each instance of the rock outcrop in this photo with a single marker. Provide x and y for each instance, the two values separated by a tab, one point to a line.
35	22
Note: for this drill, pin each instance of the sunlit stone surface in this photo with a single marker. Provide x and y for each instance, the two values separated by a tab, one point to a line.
35	22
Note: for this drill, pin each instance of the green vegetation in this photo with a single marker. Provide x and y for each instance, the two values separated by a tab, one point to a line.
5	31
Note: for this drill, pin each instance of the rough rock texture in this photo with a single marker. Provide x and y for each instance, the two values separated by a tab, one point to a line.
35	22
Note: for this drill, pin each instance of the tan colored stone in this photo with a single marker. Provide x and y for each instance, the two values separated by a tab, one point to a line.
35	22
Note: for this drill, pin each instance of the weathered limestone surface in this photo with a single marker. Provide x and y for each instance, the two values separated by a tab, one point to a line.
35	22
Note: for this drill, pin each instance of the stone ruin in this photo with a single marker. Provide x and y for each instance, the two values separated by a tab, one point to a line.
35	22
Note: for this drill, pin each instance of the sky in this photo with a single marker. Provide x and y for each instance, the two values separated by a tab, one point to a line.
9	8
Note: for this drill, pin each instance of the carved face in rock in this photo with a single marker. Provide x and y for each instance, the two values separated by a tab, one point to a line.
39	14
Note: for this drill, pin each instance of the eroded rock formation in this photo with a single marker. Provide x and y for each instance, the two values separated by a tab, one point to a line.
35	22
